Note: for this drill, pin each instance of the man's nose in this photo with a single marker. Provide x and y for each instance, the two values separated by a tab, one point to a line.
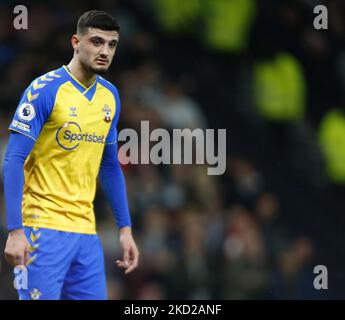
105	50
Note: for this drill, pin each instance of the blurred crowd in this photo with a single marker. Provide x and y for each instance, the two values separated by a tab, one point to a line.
258	69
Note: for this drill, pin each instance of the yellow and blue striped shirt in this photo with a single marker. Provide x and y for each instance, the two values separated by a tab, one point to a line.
71	125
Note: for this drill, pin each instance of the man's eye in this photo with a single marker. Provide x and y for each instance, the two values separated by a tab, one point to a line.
96	42
112	45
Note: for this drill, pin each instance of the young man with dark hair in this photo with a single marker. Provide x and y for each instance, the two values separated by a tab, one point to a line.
62	136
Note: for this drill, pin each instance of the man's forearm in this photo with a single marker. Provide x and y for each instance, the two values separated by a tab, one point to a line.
13	189
114	186
18	149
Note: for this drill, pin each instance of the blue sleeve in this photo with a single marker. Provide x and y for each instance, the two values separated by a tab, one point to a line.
114	185
18	149
33	109
112	135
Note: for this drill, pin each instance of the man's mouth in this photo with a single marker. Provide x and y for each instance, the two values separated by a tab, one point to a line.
102	61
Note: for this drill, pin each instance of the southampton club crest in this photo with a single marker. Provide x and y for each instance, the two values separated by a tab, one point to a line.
107	113
35	294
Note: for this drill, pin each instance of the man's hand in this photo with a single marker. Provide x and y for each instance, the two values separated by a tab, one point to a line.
17	248
130	251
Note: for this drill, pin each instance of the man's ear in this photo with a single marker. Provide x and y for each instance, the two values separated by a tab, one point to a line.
75	42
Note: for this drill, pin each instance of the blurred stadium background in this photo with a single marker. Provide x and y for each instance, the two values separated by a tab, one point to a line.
258	69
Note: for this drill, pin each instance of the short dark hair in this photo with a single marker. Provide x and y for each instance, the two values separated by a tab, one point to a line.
97	19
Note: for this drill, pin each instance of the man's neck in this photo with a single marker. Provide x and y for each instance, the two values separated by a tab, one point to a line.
82	75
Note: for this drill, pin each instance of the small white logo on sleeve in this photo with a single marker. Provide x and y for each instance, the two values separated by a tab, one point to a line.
26	112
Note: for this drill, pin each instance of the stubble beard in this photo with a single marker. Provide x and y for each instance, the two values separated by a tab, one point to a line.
100	70
96	70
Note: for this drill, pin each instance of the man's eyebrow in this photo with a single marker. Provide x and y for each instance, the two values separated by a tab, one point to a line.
95	37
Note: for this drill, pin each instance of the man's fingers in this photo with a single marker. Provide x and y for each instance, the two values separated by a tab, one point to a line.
14	260
16	250
27	256
125	262
126	255
131	268
130	256
122	264
15	257
20	260
133	262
